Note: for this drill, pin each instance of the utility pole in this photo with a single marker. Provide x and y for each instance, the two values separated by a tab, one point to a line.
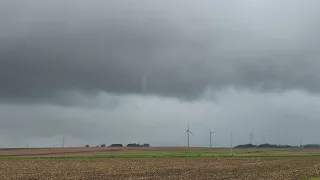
231	146
265	139
62	141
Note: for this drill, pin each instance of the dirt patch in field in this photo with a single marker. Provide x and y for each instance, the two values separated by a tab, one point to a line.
166	168
56	151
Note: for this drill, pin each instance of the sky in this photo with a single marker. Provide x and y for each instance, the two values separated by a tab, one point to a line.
107	71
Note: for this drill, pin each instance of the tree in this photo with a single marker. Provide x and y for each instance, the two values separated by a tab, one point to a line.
138	145
103	145
133	145
116	145
87	145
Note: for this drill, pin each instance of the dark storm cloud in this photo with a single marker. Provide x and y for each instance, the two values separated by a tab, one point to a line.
180	47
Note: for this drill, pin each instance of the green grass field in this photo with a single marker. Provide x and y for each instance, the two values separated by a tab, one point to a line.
179	153
157	156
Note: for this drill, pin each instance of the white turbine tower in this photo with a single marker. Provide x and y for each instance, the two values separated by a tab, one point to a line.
211	132
188	131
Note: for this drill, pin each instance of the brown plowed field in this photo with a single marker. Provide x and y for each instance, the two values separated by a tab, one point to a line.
160	169
57	151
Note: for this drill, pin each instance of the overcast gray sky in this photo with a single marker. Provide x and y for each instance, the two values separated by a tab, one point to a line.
106	71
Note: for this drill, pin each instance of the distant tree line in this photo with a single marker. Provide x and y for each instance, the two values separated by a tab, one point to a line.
277	146
120	145
116	145
311	146
138	145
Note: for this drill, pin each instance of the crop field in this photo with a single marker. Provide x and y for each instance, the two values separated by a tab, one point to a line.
154	152
158	163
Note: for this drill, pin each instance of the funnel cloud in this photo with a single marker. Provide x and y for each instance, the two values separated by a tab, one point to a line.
119	56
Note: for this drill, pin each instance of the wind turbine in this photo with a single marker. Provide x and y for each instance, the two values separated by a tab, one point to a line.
211	132
251	137
188	132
